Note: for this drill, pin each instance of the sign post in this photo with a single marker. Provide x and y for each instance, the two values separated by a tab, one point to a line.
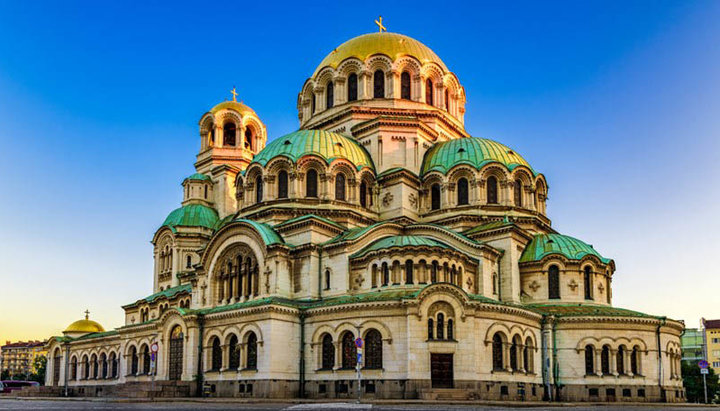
359	346
704	371
153	362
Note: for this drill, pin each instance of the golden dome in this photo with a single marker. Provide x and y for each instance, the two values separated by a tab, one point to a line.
233	105
393	45
84	326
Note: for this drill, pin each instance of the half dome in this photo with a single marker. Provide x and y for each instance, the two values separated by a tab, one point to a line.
393	45
543	245
400	241
192	215
325	144
473	151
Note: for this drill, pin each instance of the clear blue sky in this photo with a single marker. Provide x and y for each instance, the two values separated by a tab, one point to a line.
617	103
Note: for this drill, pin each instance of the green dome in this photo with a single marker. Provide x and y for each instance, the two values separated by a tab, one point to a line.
543	245
472	151
198	177
324	144
192	215
401	241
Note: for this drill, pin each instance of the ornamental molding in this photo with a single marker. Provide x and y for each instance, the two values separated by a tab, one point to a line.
387	200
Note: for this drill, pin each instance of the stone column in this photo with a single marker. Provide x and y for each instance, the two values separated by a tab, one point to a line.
598	362
613	362
364	85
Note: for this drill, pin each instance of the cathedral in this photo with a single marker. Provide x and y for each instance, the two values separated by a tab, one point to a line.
380	251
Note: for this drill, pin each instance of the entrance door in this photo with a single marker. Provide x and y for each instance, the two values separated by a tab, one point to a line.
176	353
441	370
56	370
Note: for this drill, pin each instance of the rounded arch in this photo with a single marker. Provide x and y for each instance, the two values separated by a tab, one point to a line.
349	66
323	329
380	327
247	328
378	62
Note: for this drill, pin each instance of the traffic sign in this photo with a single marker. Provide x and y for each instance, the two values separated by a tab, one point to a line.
152	356
704	371
359	357
703	364
154	347
359	342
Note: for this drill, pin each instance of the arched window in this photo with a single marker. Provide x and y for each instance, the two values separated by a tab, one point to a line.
188	262
329	95
450	330
447	100
73	368
431	329
605	360
251	360
212	134
249	141
349	352
103	366
588	283
352	87
379	84
620	360
258	189
86	365
363	194
206	192
385	274
494	283
373	347
462	192
311	183
282	184
634	359
405	85
312	103
433	272
216	353
528	355
497	352
435	197
589	360
328	352
440	333
327	279
133	361
234	352
429	91
408	272
340	187
513	354
229	130
113	365
146	359
492	190
517	189
554	282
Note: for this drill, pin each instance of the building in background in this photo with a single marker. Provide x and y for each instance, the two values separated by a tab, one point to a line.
693	345
19	357
712	341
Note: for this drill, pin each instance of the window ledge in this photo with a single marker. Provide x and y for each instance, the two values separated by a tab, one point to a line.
249	370
501	372
373	369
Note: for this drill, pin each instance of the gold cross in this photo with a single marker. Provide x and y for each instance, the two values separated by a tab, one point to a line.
380	25
87	314
234	94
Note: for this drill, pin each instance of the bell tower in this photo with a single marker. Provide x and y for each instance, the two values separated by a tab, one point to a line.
231	134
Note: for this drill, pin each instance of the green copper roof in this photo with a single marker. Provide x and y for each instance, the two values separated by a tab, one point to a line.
473	151
488	226
268	234
583	310
198	177
192	215
167	293
399	241
324	144
543	245
97	335
355	233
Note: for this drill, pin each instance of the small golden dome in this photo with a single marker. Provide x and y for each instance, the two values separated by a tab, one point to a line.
393	45
233	105
84	326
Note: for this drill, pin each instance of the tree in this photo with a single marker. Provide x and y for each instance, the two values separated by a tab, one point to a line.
693	382
40	365
5	375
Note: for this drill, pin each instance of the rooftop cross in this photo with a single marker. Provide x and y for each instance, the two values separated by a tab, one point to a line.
87	314
380	25
234	93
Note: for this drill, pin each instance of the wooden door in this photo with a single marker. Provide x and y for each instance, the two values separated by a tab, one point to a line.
441	370
176	354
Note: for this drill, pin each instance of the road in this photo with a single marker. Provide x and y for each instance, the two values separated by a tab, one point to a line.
12	404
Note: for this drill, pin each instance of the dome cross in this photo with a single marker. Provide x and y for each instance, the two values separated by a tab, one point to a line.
87	314
234	94
380	25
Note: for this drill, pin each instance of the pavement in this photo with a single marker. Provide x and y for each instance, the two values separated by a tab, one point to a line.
220	404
